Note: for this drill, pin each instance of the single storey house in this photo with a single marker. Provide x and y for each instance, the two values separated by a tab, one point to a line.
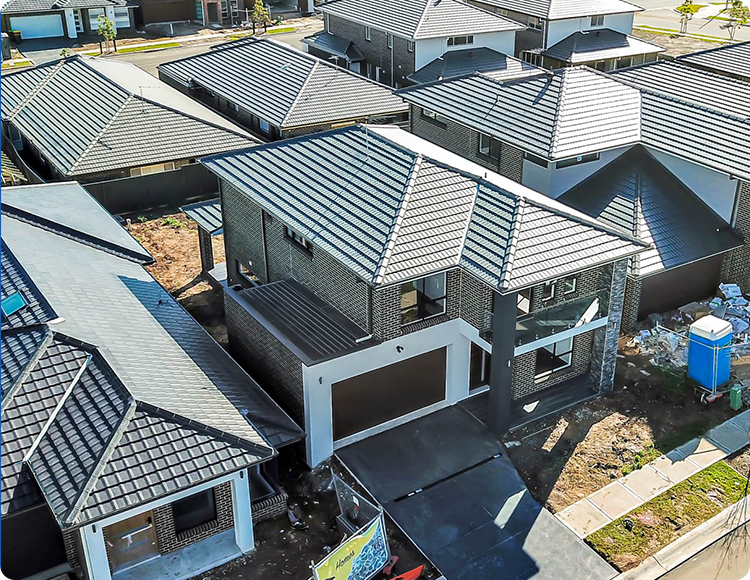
277	91
375	277
130	139
133	446
732	60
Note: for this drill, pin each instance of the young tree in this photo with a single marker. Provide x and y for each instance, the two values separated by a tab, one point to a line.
106	29
686	10
739	16
260	14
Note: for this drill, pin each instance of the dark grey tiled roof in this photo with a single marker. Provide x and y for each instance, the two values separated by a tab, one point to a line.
419	19
14	279
335	45
21	6
557	115
730	59
310	327
20	349
638	194
115	129
391	206
283	85
207	214
490	63
561	9
599	44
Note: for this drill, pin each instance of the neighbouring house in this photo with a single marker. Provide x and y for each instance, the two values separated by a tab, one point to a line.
732	60
398	37
573	32
132	140
206	12
133	446
52	19
553	132
378	277
277	91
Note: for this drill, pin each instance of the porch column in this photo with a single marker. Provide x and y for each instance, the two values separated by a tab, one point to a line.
243	513
501	374
70	23
206	250
604	357
95	552
206	19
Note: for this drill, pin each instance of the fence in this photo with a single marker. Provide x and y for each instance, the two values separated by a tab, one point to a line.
169	188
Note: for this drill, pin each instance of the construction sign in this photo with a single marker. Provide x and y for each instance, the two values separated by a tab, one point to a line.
360	557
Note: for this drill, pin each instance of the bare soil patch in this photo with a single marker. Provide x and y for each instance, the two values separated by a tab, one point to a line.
675	44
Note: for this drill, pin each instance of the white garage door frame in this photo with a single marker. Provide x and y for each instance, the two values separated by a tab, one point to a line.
39	26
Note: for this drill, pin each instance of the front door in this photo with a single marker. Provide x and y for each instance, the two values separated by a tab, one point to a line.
131	541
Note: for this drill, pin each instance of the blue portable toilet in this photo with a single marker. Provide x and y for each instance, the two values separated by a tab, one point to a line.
709	358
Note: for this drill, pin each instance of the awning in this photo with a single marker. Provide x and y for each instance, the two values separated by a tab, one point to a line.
335	46
207	214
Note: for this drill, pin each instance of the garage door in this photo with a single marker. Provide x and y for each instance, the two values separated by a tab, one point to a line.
373	398
45	26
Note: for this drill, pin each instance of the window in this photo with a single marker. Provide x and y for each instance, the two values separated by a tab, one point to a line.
577	160
536	160
460	40
479	367
601	65
569	284
370	71
15	137
247	273
553	357
429	114
149	169
532	58
94	14
265	126
78	22
193	511
523	303
423	298
234	106
548	291
260	486
501	11
298	240
410	45
390	40
625	62
597	20
12	304
368	34
122	17
534	22
489	146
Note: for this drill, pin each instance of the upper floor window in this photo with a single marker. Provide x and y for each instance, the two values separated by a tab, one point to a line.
430	114
368	33
548	291
410	45
569	284
489	146
460	40
148	169
532	58
534	22
523	302
390	40
264	126
298	240
597	20
577	160
423	298
625	62
535	159
234	106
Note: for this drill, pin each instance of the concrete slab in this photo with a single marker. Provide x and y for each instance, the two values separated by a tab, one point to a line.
615	500
742	421
728	437
583	518
702	451
675	466
646	482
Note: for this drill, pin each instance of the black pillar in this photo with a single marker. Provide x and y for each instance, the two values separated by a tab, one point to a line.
206	250
501	376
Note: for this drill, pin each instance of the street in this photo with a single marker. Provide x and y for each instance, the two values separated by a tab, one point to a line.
726	559
660	14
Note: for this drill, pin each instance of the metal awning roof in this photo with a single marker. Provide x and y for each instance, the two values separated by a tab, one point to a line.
207	214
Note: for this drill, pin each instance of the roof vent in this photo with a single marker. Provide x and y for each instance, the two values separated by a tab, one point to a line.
12	304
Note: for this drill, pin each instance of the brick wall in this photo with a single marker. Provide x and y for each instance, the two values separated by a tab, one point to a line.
376	50
736	266
524	368
465	142
168	540
274	366
72	542
476	302
631	304
270	507
242	233
588	283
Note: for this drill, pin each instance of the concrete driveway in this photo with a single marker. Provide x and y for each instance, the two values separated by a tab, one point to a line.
446	481
43	50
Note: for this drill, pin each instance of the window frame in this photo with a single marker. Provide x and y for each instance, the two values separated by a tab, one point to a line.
434	117
578	160
181	528
566	281
265	130
410	46
563	355
389	40
297	240
523	300
422	300
552	290
469	39
490	147
368	34
138	171
535	23
596	21
536	160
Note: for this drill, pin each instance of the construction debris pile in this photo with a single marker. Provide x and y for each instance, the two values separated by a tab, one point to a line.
666	343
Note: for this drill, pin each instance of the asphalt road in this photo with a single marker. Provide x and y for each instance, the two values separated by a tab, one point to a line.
148	61
659	14
727	559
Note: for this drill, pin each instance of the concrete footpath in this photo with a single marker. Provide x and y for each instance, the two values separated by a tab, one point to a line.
627	493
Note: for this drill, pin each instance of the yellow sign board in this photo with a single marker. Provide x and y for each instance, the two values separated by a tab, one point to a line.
359	558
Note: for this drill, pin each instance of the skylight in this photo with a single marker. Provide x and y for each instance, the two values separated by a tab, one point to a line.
13	303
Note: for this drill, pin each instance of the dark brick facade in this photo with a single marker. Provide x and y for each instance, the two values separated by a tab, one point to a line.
72	542
631	304
476	302
270	507
376	51
465	142
736	266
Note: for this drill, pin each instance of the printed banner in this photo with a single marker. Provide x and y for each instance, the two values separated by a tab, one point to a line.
359	558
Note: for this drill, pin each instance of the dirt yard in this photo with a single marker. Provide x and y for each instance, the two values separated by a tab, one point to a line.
674	43
565	458
172	239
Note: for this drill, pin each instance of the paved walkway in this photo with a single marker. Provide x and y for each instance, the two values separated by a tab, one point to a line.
627	493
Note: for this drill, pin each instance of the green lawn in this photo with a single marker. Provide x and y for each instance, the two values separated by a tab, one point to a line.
148	47
280	30
16	64
660	521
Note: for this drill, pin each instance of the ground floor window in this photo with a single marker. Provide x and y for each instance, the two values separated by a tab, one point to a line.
260	485
149	169
194	510
122	17
489	146
94	14
479	367
423	298
553	357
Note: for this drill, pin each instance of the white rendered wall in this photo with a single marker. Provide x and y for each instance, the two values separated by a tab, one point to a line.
558	30
70	23
425	51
